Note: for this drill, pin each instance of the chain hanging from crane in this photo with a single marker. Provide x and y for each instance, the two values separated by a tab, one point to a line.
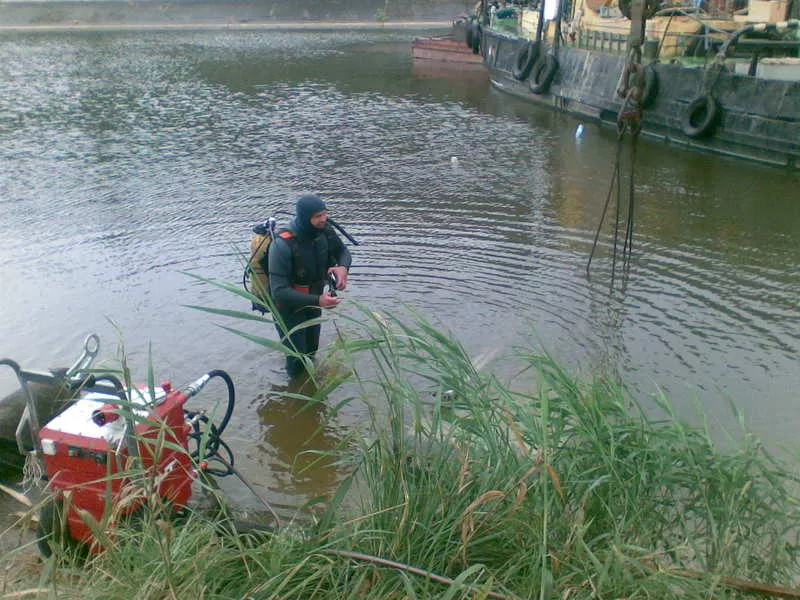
629	119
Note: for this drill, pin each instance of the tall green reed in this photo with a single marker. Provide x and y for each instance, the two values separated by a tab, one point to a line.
569	488
466	487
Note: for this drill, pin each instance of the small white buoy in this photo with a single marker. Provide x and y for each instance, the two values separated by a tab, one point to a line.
454	160
579	131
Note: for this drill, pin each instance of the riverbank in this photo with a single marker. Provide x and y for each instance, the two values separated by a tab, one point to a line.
278	14
261	26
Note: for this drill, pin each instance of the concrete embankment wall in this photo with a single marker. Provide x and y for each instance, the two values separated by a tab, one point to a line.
105	12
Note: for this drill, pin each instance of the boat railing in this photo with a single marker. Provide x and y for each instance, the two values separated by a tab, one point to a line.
722	44
710	38
691	44
685	44
735	38
606	41
719	42
694	45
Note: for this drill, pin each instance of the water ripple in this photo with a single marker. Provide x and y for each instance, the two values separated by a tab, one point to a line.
128	159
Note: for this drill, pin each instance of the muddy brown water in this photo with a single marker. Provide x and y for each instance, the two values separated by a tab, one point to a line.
128	158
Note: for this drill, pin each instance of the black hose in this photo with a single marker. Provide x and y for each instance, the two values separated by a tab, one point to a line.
213	433
343	232
227	463
90	385
231	397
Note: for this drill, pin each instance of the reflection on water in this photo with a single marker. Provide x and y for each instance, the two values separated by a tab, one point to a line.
299	442
129	158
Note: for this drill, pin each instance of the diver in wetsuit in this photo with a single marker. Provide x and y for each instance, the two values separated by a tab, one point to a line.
299	261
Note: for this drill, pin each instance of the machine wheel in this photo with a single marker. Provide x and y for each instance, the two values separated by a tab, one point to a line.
52	532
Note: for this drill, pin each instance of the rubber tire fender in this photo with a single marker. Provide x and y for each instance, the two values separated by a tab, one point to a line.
701	116
542	73
475	38
650	90
526	58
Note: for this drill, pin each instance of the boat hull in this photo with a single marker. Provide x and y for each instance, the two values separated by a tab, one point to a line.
445	49
758	119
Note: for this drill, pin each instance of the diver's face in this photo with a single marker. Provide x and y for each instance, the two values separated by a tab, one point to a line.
320	219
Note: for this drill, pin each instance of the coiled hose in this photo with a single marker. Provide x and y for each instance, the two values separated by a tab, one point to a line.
208	437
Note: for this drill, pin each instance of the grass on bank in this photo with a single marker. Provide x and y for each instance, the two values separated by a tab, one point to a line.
470	489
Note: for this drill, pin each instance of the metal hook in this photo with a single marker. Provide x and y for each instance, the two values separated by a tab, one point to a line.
91	346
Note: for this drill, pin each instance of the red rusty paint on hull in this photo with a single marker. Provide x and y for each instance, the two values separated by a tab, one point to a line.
444	49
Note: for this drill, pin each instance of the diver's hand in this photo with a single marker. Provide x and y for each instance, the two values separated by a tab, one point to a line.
328	301
341	276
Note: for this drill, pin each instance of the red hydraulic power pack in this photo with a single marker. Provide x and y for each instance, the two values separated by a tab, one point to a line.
96	448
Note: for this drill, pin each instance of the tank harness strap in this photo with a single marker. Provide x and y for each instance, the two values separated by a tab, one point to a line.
300	270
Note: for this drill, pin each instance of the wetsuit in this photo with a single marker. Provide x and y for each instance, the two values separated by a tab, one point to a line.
298	262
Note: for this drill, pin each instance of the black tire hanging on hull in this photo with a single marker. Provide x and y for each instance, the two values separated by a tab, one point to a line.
542	73
642	79
526	58
475	38
650	90
701	117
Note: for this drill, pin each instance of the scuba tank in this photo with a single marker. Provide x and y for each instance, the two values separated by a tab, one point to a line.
254	275
255	279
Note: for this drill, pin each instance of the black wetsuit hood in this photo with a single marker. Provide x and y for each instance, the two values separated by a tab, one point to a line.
307	206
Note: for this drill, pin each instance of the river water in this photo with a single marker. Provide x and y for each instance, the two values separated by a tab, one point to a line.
128	158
